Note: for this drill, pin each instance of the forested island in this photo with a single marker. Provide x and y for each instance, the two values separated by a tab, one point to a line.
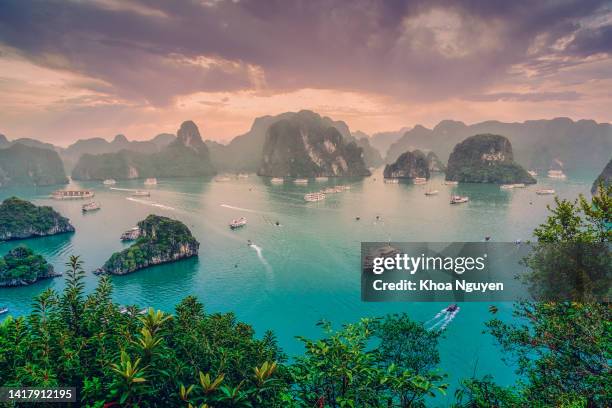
409	165
20	219
161	240
21	266
30	166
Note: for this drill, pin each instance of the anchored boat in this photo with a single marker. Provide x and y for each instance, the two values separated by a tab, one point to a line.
459	199
93	206
72	194
237	223
301	181
391	181
109	182
152	181
556	174
311	197
277	180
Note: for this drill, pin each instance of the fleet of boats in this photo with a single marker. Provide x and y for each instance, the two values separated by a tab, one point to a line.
152	181
237	223
92	206
72	194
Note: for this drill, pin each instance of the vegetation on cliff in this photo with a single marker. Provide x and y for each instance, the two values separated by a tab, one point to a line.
21	219
21	266
161	240
409	165
485	159
304	145
22	165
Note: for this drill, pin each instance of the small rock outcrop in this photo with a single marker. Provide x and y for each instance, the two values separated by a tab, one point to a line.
304	145
20	219
485	158
409	165
161	240
21	266
604	178
435	164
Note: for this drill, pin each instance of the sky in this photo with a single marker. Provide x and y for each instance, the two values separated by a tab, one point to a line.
75	69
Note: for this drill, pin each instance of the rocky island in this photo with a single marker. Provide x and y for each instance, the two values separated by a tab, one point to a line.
485	158
304	145
186	156
21	266
20	219
604	178
161	240
409	165
22	165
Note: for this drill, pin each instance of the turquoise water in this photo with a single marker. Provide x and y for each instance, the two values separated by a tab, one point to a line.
308	267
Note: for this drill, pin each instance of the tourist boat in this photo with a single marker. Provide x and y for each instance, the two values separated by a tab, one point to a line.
556	174
141	193
109	182
72	194
391	181
150	181
321	178
459	199
311	197
237	223
519	185
431	192
301	181
506	186
533	173
545	191
451	183
93	206
131	234
243	175
420	180
4	310
277	180
331	190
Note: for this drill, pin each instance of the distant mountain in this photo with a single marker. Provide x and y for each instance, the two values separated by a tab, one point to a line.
30	166
605	178
538	144
381	141
371	156
485	158
186	156
308	145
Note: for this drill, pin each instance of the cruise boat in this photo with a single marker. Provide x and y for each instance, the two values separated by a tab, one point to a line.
109	182
556	174
545	191
506	186
533	173
459	199
312	197
420	180
451	183
72	194
3	309
301	181
237	223
150	181
431	192
141	193
277	180
93	206
321	178
391	181
131	234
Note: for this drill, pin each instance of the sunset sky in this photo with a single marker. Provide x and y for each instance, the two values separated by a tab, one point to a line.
76	69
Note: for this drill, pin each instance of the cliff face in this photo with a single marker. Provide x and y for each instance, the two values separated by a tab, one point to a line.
305	146
605	177
371	156
187	156
435	164
162	240
30	166
485	159
21	219
21	266
409	165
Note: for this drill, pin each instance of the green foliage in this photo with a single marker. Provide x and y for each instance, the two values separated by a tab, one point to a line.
22	266
22	219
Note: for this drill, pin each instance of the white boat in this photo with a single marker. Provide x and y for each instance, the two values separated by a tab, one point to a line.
451	183
519	185
237	223
301	181
131	234
141	193
545	191
93	206
533	173
459	199
556	174
222	178
391	181
321	178
420	180
506	186
312	197
150	181
277	180
431	192
332	190
243	175
3	310
109	182
72	194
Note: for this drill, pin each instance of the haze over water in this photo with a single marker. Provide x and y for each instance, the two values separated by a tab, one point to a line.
304	270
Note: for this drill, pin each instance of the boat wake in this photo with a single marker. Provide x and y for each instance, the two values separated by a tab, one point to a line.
151	203
123	189
261	257
442	319
239	208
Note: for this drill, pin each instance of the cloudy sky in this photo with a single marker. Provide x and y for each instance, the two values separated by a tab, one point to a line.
82	68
